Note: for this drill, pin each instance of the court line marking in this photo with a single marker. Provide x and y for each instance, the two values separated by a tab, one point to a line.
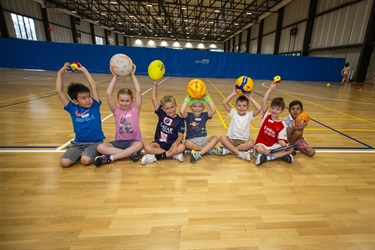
320	97
37	96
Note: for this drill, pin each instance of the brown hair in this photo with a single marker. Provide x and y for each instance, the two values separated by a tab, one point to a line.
278	102
166	99
125	91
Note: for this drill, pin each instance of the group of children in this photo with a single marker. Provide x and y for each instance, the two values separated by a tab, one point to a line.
89	147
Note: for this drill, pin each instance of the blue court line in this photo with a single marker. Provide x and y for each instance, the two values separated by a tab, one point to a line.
341	133
28	146
347	136
13	104
31	100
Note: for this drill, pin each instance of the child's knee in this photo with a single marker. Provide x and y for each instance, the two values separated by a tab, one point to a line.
85	160
64	162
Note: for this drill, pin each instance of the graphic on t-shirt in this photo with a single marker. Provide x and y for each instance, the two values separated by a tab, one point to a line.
168	121
83	114
125	126
196	127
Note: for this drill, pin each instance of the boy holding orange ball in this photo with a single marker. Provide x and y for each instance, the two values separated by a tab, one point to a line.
295	132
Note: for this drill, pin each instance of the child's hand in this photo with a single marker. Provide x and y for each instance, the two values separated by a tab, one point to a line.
173	149
133	71
64	68
273	85
81	68
248	95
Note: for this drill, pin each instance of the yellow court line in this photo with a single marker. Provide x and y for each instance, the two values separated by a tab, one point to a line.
336	111
220	116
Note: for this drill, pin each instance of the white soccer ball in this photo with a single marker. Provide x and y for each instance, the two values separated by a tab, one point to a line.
121	65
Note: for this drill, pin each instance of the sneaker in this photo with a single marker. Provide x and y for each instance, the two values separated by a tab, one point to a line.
179	157
260	159
215	151
148	159
135	157
287	158
244	155
102	159
194	156
225	151
294	152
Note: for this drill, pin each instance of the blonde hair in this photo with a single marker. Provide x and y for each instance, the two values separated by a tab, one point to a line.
125	91
166	99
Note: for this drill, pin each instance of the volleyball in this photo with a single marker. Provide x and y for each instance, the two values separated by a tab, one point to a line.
196	89
302	119
156	70
121	65
244	85
74	66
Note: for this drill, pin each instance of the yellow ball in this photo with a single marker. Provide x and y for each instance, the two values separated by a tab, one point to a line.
244	85
156	70
328	84
277	79
196	89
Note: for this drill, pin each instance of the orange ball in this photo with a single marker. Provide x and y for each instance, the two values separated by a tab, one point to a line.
302	119
196	89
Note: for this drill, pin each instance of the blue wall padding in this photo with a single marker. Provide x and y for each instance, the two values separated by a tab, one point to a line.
24	54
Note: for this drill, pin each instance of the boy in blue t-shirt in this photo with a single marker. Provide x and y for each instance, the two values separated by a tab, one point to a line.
197	139
169	132
84	111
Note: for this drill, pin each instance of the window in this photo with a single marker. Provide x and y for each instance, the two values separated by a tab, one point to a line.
24	27
99	40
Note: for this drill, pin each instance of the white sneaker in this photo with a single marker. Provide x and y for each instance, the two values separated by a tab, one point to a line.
225	151
148	159
244	155
179	157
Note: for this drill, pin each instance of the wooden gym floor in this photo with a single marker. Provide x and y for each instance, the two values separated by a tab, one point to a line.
220	202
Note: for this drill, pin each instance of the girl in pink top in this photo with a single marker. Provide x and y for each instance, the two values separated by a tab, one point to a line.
128	141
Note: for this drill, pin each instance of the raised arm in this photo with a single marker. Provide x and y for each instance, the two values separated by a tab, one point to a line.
110	100
227	100
266	96
59	85
94	90
211	105
184	106
257	107
154	95
138	93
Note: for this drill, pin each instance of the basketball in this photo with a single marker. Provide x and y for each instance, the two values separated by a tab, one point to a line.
121	65
302	119
156	70
244	85
277	79
196	88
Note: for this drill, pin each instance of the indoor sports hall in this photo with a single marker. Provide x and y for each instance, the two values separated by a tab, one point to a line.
220	202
